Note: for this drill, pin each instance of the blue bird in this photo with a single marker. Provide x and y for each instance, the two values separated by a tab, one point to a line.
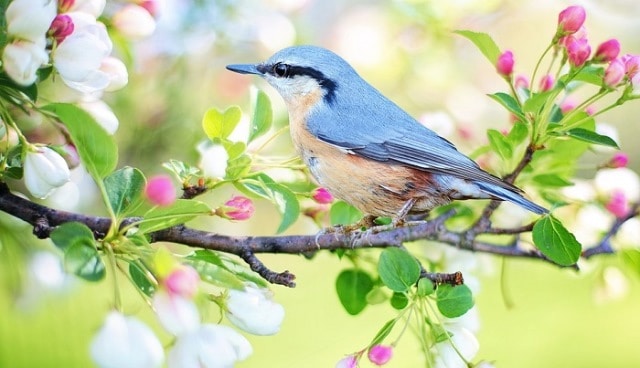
364	148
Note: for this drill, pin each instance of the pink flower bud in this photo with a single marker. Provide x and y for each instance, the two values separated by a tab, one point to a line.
567	105
505	62
65	5
546	83
151	6
614	73
620	159
61	27
160	190
380	354
322	196
618	204
70	155
350	361
183	281
521	82
607	51
571	19
237	208
578	51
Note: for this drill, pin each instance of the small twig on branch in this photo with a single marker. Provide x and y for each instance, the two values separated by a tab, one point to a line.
281	278
604	246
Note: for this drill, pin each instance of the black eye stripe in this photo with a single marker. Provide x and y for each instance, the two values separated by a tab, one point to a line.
283	70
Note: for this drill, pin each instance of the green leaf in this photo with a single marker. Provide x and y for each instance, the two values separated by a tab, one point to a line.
237	167
82	259
181	211
590	74
590	136
453	301
217	124
398	269
631	259
97	148
342	213
284	199
425	287
551	180
352	287
217	275
499	144
71	233
124	189
537	101
262	116
399	301
383	332
239	270
140	280
484	43
508	102
519	132
555	241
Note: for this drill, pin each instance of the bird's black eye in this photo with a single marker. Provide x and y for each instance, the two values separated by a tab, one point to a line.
281	70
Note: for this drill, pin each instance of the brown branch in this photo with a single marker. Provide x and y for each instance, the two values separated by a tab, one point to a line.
604	246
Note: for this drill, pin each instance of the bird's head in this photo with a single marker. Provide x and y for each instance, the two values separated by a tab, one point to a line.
302	70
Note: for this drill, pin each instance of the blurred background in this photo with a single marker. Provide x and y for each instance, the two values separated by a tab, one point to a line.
531	314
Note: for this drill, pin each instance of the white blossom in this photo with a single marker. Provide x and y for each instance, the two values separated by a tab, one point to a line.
91	7
177	314
117	72
210	346
134	22
253	310
126	342
30	19
44	171
79	57
621	179
22	59
466	345
213	159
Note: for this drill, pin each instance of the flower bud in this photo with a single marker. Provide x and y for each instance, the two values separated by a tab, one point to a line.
22	59
151	6
237	208
209	346
254	311
618	204
380	354
578	51
571	19
70	155
126	342
521	82
213	159
134	22
117	72
44	171
504	65
607	51
350	361
568	104
631	65
546	83
619	159
160	190
61	27
614	73
321	196
183	281
29	20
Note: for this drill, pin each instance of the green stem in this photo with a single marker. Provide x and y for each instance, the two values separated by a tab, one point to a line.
114	268
535	70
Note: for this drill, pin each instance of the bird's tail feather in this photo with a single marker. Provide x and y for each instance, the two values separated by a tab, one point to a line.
511	196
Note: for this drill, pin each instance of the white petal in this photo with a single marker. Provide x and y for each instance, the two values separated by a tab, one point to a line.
177	315
30	19
623	179
210	346
102	113
44	171
134	22
117	72
21	60
254	311
213	159
89	7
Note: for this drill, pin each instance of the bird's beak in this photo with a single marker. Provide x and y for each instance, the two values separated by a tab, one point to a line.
244	68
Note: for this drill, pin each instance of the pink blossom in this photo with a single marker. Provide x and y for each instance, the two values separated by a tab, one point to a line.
237	208
322	196
571	19
567	105
380	354
546	83
607	51
350	361
160	190
618	204
578	51
631	64
183	281
505	62
151	6
620	159
61	27
614	73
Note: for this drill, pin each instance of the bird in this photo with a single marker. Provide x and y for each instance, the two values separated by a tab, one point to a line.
365	149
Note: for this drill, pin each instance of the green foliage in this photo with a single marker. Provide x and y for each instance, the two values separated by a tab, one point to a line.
262	118
96	148
220	124
140	278
124	190
484	43
453	301
398	269
342	213
383	332
399	301
425	287
181	211
220	270
556	242
353	286
509	103
80	254
286	202
590	136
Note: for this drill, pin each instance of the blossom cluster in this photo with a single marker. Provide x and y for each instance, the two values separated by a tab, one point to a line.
65	40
